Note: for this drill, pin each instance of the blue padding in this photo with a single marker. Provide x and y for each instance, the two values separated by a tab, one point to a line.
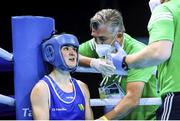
27	34
5	65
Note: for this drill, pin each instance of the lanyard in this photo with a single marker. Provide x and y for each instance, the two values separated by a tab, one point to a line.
106	79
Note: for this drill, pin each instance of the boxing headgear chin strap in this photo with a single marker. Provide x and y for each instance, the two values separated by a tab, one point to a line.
52	54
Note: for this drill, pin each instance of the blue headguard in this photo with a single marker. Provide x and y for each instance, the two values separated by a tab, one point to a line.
52	54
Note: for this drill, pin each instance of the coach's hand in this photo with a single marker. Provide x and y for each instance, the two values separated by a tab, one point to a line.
103	66
117	58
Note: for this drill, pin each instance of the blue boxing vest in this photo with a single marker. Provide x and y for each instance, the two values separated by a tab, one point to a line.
63	105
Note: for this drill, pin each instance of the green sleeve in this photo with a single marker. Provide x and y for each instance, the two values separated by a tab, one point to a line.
131	46
161	25
143	75
88	49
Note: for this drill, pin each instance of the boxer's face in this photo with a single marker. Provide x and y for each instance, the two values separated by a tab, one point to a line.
69	54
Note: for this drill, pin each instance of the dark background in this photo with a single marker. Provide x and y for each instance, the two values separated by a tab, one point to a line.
71	16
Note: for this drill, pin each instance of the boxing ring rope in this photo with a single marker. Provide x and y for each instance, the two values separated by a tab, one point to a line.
82	69
93	102
6	60
7	100
6	55
106	102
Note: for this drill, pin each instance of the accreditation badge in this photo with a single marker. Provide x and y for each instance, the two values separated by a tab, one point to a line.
111	91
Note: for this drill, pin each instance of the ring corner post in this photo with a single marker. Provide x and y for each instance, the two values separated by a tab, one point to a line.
27	35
